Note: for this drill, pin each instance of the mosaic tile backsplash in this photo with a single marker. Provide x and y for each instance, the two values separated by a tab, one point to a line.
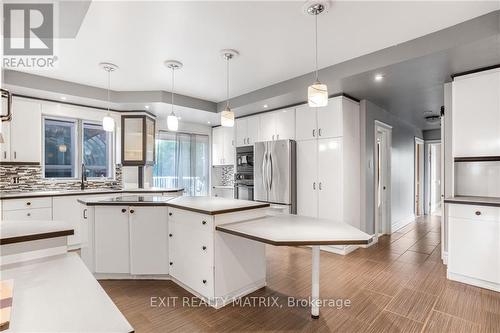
30	179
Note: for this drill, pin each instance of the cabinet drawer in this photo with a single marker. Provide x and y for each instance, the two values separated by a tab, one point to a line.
473	212
28	214
15	204
195	221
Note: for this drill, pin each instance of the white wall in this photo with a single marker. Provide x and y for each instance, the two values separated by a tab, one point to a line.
402	170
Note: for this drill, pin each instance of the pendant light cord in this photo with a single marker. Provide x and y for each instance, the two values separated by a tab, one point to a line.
173	69
316	43
227	80
109	86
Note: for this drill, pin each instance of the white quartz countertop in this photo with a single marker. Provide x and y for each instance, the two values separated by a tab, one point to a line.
59	294
22	231
470	200
214	205
34	194
293	230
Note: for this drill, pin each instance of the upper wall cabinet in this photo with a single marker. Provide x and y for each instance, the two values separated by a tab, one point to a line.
22	134
476	114
247	131
278	125
223	146
324	122
138	140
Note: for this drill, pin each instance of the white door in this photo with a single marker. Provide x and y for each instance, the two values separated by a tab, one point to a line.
217	145
330	179
111	235
148	240
5	147
285	124
25	131
382	179
307	181
305	123
330	119
253	130
268	126
241	126
229	152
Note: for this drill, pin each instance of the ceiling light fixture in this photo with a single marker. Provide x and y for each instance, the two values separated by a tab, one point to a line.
379	77
146	106
63	98
265	106
227	115
172	120
317	93
108	123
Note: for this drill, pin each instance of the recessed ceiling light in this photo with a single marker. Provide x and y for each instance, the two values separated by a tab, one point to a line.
208	122
63	98
179	118
379	77
147	107
265	106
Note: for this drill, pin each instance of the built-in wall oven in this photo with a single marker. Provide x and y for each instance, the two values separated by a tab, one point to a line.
243	178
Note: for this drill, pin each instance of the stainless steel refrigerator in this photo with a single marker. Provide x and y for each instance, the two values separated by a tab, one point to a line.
275	175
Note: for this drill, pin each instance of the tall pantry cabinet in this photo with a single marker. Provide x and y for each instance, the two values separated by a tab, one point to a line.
328	162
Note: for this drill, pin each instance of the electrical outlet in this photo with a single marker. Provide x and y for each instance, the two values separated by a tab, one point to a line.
15	180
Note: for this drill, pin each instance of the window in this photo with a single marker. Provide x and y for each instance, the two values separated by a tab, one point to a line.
60	148
182	161
97	151
69	143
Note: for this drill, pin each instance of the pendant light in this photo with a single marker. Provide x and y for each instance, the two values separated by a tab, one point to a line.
227	115
317	93
108	123
172	120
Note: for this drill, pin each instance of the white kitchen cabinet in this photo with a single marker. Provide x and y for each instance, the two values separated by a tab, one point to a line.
307	168
5	146
223	146
28	214
192	262
148	240
111	239
305	123
27	209
476	114
330	179
247	131
278	125
330	117
68	209
25	131
474	245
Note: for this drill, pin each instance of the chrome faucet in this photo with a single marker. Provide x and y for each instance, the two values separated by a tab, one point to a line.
84	177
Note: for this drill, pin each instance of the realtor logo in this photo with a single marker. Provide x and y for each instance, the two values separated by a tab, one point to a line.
28	29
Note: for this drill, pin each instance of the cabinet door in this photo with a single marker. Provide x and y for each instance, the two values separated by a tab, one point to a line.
330	179
25	131
268	126
307	184
5	146
253	130
217	145
111	236
148	240
305	123
228	143
285	124
476	115
132	139
28	214
68	209
241	132
330	119
150	140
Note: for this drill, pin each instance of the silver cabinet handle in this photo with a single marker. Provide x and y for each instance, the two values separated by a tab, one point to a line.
15	155
248	140
319	185
85	213
319	132
314	132
5	155
314	186
277	136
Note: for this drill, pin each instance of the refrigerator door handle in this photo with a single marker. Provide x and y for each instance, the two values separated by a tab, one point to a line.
271	168
263	167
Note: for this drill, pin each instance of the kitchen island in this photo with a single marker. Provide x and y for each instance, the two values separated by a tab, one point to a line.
162	237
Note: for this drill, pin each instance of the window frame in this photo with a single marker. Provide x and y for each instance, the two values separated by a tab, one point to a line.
78	145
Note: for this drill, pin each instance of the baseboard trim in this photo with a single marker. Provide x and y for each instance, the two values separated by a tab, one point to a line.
444	258
473	281
395	226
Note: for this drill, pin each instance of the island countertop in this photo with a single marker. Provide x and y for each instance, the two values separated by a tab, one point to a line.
56	193
204	205
469	200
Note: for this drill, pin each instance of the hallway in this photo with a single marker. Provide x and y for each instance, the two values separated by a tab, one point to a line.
397	285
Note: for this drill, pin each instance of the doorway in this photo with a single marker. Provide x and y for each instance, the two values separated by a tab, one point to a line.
382	169
434	178
419	177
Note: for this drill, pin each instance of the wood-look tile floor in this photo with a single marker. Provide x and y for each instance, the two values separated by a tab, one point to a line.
397	285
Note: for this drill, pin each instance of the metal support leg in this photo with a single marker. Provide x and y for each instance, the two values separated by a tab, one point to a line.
315	283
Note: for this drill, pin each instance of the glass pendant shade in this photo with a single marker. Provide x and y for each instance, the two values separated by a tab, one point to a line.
317	95
227	118
108	123
172	122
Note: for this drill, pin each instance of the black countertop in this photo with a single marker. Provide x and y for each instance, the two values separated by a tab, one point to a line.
56	193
